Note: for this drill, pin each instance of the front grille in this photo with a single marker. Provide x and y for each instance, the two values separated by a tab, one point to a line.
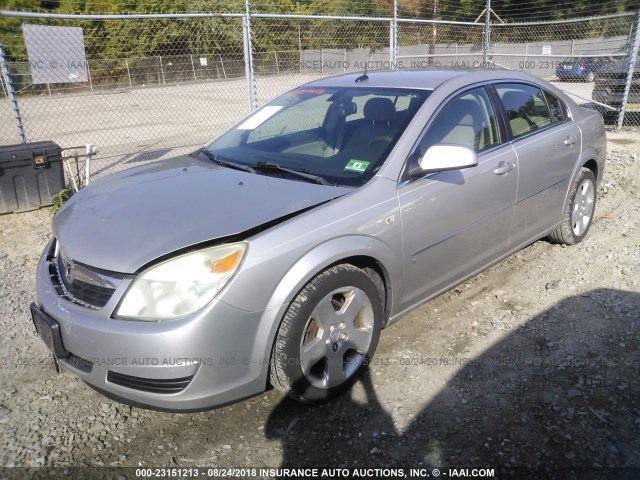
87	293
152	385
80	284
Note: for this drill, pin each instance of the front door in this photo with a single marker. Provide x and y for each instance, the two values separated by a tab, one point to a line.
455	223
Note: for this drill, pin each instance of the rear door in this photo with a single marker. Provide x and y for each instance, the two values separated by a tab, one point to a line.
456	222
547	144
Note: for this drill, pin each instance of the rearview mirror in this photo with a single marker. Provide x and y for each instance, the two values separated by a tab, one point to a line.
446	157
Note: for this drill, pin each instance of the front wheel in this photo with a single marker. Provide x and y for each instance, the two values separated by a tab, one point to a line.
578	211
328	334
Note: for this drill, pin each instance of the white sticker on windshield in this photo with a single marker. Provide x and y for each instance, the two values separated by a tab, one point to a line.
259	118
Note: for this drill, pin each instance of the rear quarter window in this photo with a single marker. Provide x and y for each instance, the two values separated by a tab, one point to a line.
557	108
526	108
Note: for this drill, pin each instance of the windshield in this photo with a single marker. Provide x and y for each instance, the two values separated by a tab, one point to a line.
342	135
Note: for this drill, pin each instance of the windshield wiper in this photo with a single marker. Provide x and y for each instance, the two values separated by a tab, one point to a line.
225	163
300	173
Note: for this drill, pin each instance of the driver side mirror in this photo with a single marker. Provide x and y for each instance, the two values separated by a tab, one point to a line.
442	157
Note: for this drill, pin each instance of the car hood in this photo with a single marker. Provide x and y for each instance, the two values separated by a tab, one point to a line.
126	220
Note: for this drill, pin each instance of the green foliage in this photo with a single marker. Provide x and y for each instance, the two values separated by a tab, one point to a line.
58	199
11	31
519	10
130	39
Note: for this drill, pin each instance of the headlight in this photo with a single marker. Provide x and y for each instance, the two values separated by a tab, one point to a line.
182	285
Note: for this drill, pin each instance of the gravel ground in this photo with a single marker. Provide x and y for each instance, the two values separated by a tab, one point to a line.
531	367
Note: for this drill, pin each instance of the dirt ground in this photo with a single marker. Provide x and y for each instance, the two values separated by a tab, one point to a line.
531	368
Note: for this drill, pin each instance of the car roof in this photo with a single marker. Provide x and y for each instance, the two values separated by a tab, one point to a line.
419	79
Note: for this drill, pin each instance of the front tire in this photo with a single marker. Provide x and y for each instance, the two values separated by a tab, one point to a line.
328	334
578	211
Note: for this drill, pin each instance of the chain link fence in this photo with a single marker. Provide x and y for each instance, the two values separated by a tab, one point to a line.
148	87
591	59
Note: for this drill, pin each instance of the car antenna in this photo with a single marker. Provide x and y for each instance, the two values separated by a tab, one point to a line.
363	77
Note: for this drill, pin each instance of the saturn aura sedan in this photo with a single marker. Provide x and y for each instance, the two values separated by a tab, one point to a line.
276	254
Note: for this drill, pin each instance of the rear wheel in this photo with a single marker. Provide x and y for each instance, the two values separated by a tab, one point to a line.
328	334
578	211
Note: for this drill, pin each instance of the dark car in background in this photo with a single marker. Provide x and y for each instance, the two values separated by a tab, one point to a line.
576	69
610	82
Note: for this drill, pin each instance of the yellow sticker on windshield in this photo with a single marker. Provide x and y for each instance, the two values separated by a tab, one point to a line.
357	166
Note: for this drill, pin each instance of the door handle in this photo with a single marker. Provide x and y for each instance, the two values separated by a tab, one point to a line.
504	167
570	140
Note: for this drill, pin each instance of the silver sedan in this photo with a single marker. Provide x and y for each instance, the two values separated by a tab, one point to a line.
276	254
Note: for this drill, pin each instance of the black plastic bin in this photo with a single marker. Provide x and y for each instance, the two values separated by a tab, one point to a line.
30	173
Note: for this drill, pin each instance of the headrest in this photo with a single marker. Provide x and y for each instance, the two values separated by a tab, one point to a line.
379	109
514	101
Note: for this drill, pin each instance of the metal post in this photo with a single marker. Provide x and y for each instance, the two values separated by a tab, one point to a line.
161	69
224	72
11	93
249	70
193	67
49	88
299	36
485	36
89	75
4	89
275	54
321	60
393	38
128	72
633	57
434	33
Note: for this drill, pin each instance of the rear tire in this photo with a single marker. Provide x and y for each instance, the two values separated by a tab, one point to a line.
578	211
328	335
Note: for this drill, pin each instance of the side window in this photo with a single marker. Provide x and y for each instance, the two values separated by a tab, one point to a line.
526	107
556	107
467	120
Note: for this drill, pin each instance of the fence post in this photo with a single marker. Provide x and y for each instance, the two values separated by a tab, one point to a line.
224	72
633	57
193	67
485	36
249	70
128	72
4	89
393	38
161	69
299	37
275	54
89	75
11	93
